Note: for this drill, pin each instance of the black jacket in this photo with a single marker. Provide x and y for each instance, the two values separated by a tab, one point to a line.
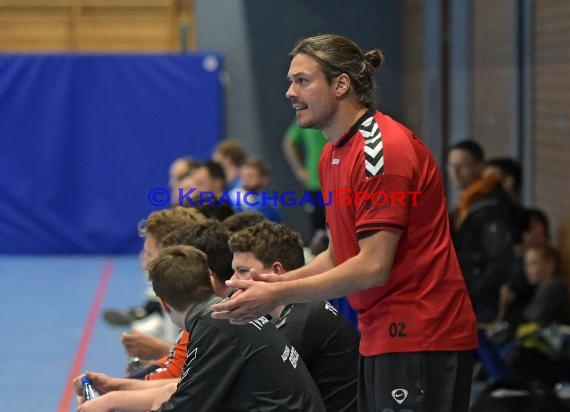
484	245
241	369
328	345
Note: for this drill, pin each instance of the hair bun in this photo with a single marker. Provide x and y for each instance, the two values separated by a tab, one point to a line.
375	58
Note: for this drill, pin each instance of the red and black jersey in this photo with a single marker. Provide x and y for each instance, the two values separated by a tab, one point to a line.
382	177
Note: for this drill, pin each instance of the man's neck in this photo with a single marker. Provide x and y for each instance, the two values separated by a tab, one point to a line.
347	114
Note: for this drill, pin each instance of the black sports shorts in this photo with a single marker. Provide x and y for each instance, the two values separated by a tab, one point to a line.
415	382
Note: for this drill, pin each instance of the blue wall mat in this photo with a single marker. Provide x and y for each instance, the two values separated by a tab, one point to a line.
84	138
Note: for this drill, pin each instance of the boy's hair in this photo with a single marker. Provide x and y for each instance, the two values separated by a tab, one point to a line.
217	210
243	220
158	224
211	238
180	276
233	150
472	147
270	242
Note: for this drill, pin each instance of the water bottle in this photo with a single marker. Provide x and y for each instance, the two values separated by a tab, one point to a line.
89	392
135	366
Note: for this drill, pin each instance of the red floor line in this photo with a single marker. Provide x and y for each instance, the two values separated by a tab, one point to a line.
68	392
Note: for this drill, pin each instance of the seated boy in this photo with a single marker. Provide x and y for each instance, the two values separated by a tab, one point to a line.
550	302
326	341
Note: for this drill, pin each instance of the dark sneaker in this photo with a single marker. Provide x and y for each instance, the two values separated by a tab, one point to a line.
121	317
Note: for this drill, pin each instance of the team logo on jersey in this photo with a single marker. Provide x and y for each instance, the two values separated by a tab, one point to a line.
373	148
290	354
286	353
259	322
399	395
335	161
190	357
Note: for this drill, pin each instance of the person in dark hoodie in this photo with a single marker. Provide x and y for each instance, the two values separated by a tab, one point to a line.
482	228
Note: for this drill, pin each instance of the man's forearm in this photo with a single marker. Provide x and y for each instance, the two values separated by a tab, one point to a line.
354	275
292	155
134	400
165	393
369	268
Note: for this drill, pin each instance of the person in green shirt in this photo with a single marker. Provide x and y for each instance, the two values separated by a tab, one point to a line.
306	169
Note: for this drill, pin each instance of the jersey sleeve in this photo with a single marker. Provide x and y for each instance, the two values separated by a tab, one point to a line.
382	203
383	178
212	365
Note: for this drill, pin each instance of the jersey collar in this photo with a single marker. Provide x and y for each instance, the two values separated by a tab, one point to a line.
200	309
352	131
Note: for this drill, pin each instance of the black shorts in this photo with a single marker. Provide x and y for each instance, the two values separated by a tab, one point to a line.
415	382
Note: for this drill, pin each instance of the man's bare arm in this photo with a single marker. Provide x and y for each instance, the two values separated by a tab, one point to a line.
144	346
104	383
292	155
369	268
165	393
126	401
